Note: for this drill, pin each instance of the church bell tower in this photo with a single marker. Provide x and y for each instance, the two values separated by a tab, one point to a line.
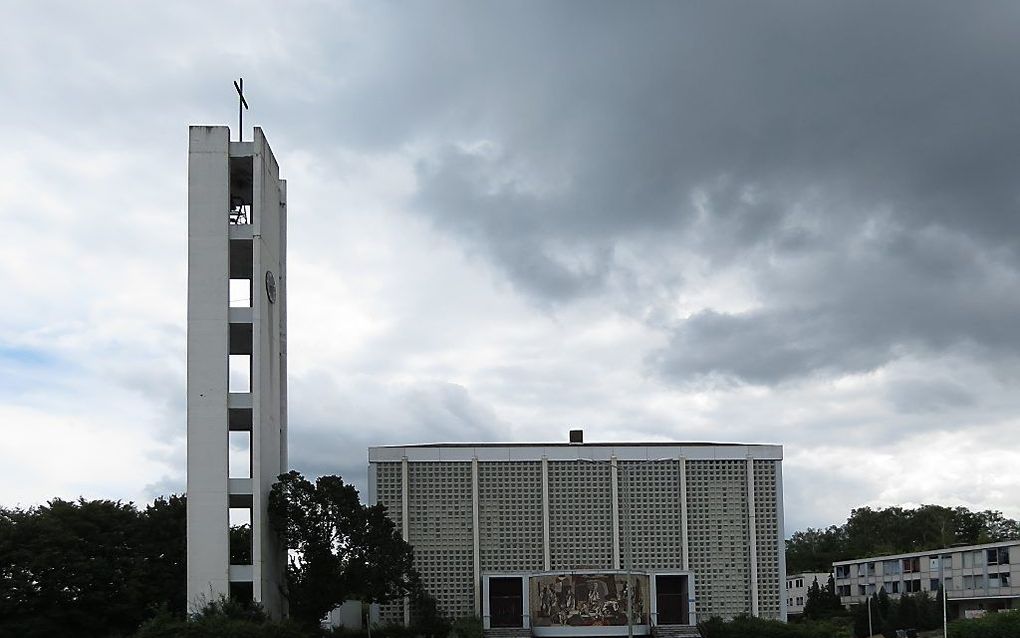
237	367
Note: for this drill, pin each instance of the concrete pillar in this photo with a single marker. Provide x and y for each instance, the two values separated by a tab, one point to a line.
476	544
684	542
405	523
752	529
546	552
615	496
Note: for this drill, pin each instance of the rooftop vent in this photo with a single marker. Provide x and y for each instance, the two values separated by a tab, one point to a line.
577	437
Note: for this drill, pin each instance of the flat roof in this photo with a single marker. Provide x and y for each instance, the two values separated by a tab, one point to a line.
928	552
564	451
589	444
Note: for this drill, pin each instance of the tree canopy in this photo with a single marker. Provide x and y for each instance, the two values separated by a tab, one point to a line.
90	568
894	530
339	549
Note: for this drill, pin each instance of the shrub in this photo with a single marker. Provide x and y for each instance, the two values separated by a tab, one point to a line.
1000	625
748	627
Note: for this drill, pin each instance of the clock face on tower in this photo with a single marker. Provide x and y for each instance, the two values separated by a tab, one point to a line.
271	286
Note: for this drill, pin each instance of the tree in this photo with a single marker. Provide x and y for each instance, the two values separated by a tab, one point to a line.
71	569
339	549
814	550
822	602
90	568
895	530
163	552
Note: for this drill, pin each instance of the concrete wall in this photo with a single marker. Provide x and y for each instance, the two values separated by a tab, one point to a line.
208	202
211	491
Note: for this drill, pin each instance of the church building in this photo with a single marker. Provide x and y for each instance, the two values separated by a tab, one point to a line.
556	539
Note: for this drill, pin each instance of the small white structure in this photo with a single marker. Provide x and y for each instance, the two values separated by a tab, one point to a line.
237	365
797	586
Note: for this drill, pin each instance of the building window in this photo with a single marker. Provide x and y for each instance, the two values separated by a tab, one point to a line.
933	585
842	571
998	556
895	589
800	601
912	586
911	565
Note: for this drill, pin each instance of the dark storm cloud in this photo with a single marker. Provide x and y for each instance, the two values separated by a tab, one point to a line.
740	133
864	304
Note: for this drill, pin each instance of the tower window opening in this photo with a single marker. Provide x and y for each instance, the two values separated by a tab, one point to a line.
240	536
239	380
240	358
240	454
241	189
241	267
240	293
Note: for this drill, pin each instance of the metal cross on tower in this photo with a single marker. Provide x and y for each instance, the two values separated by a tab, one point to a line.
242	106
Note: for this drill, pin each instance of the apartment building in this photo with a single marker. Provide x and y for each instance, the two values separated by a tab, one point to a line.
976	577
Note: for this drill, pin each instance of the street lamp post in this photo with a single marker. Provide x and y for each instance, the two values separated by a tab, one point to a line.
871	632
945	594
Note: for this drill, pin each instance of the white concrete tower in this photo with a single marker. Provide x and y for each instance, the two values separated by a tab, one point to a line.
237	365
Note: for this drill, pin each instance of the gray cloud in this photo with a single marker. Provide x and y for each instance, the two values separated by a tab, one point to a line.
334	420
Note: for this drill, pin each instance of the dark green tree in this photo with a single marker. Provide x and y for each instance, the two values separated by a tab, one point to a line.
90	568
814	550
340	549
894	530
163	552
71	568
822	601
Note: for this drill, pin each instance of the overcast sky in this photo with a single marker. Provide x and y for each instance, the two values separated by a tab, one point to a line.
781	222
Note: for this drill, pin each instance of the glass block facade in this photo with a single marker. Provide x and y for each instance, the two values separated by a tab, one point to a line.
649	506
389	493
510	516
769	542
483	510
440	514
718	536
580	515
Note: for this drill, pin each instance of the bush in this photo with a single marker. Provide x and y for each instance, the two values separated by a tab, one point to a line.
223	618
1001	625
748	627
468	627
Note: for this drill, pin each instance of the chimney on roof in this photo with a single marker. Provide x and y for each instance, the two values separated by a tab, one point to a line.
576	437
